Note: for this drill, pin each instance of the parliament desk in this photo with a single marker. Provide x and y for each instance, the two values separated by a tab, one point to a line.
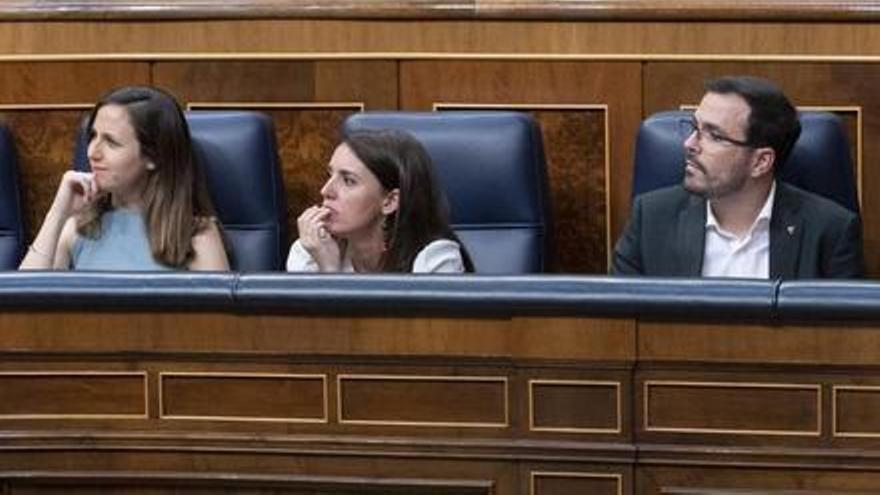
589	71
275	383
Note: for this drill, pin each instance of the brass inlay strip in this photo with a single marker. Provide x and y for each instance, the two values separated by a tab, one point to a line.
741	385
283	376
618	478
62	374
559	106
835	432
587	383
375	55
355	105
440	424
46	106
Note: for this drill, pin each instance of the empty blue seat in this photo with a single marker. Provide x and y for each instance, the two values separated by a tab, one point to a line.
491	165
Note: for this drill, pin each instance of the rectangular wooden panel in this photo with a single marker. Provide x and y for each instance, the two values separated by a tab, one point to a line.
855	411
732	408
587	111
73	395
575	406
246	397
463	401
565	483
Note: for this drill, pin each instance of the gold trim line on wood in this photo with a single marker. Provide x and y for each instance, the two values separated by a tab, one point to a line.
617	387
46	106
142	374
198	374
355	105
834	431
560	106
549	57
724	431
618	478
438	424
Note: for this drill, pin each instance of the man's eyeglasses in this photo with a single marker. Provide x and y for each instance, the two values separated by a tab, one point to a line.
690	126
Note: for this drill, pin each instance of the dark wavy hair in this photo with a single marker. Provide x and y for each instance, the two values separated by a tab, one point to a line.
773	120
399	161
176	201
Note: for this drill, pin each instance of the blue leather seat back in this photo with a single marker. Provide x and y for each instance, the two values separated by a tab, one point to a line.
238	153
11	220
491	165
820	161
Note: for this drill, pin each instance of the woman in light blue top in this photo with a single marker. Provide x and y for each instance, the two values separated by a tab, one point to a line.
143	206
382	211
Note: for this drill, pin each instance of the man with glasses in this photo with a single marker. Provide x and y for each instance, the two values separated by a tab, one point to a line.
731	217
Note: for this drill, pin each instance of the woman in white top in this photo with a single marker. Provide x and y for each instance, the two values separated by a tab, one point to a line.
382	211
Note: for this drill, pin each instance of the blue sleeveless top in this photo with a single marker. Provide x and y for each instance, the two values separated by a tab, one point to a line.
122	245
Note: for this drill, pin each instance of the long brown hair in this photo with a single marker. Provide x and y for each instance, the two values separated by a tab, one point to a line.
176	201
400	162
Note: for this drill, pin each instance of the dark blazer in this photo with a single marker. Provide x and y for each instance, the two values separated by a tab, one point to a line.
810	236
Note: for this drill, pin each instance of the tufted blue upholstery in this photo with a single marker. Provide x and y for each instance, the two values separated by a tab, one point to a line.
820	161
491	165
238	153
11	223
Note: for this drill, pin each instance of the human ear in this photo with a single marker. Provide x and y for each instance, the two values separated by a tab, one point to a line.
765	160
391	202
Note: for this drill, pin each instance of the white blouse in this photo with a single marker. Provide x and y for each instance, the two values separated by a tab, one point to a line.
440	256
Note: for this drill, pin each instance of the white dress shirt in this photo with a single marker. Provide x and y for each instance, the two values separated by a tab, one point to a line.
440	256
726	255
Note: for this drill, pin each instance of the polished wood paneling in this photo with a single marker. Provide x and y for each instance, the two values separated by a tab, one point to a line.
553	483
44	114
72	395
610	340
732	408
370	83
668	85
579	186
246	397
855	411
575	406
722	480
758	343
575	141
478	402
44	141
309	39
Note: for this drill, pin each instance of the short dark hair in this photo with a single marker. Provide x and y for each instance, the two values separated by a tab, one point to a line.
399	161
773	120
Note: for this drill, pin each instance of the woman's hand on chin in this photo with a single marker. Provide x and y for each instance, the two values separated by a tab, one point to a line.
315	237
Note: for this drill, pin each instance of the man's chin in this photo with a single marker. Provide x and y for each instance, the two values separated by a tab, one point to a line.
694	187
